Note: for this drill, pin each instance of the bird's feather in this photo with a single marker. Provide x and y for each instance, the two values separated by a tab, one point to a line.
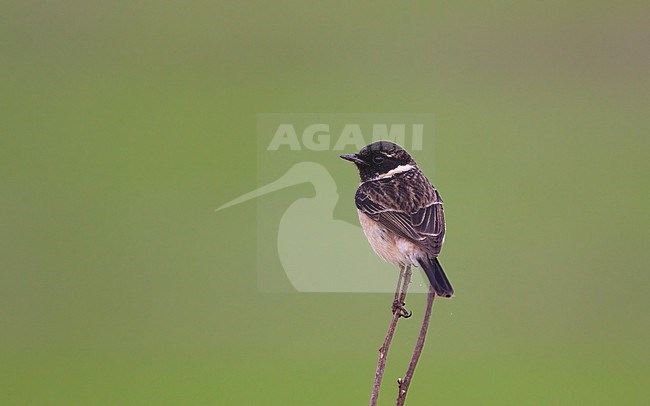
406	204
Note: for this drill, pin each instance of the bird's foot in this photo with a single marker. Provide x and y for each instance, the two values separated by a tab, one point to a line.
398	307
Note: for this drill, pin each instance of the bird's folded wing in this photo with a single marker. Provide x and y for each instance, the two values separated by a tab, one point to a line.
424	226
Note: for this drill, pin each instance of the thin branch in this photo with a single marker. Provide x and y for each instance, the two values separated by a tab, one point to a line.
400	295
404	383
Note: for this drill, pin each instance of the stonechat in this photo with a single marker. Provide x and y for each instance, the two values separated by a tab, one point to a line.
400	211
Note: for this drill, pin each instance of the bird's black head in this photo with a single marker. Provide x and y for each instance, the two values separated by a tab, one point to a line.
380	158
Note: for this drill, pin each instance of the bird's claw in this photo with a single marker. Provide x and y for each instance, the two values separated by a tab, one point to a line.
399	308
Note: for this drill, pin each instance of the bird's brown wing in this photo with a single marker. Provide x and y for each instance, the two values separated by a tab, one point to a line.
407	205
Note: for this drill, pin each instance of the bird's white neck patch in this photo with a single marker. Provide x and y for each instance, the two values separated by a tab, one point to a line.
399	169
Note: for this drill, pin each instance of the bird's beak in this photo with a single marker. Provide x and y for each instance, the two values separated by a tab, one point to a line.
299	173
279	184
354	158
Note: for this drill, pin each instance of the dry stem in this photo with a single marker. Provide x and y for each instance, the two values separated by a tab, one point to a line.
400	296
404	383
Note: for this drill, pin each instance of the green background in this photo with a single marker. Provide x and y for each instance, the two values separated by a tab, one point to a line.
123	125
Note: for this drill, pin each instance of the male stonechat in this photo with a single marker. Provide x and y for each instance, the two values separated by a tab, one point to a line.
400	211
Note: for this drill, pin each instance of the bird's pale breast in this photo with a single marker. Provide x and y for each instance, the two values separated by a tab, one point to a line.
389	246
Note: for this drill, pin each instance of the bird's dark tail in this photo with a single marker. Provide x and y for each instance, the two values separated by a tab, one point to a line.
436	276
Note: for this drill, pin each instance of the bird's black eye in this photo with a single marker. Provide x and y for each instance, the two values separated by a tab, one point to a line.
378	159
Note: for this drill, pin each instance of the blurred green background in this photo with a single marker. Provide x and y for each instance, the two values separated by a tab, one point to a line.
123	125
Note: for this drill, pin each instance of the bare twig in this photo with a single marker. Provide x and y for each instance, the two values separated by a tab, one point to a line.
400	296
404	383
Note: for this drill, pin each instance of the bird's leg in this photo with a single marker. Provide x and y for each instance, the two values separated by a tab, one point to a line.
400	293
398	290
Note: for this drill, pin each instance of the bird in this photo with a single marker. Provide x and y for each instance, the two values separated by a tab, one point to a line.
400	211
